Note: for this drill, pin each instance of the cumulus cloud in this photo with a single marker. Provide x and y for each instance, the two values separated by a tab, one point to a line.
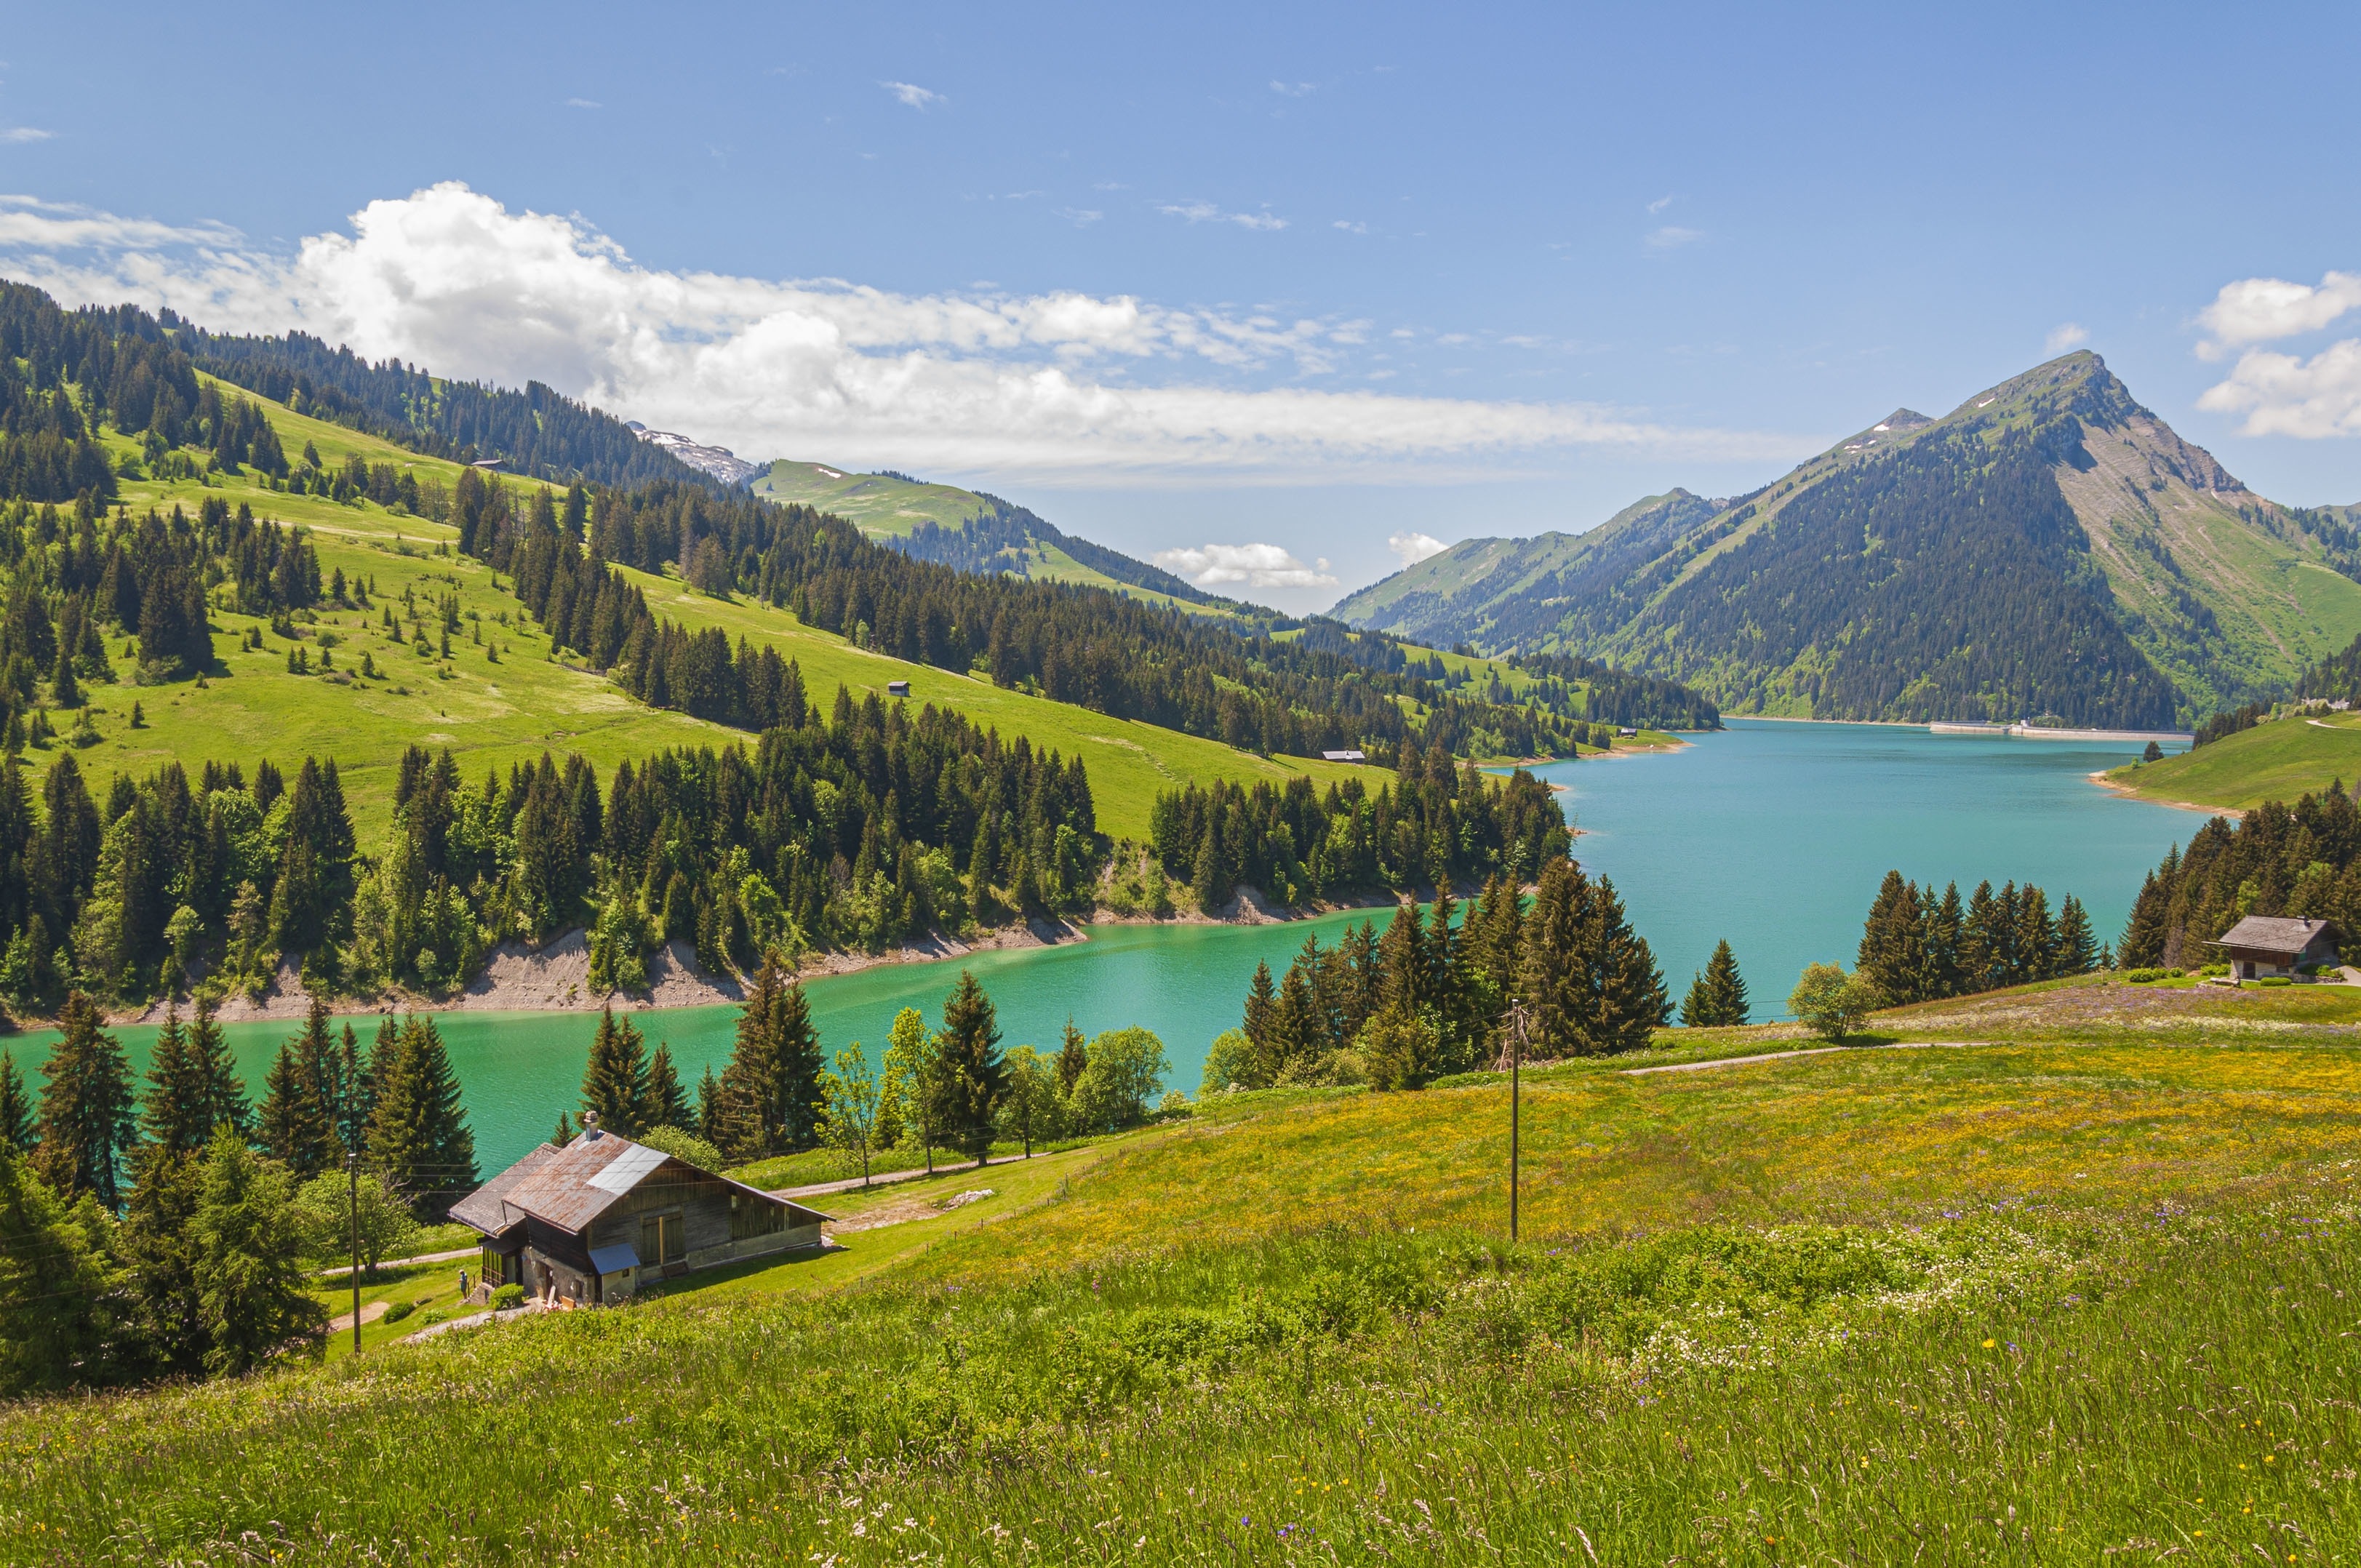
1245	565
2065	335
20	134
2281	393
1672	236
911	93
2257	310
1061	387
1413	547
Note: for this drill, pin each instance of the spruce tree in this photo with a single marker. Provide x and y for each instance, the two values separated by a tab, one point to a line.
60	1289
974	1078
1548	978
801	1069
252	1277
749	1107
1629	999
418	1136
15	1108
172	1112
1073	1057
563	1134
298	1120
211	1066
667	1102
65	691
2077	948
615	1080
160	1244
1717	997
356	1086
708	1107
1893	943
1262	1008
86	1123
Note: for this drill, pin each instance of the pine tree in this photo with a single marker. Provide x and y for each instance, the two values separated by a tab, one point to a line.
1074	1058
211	1066
1717	997
801	1068
252	1277
980	866
1629	1003
2077	948
297	1121
62	1288
708	1103
172	1112
563	1134
159	1244
1206	881
2142	946
418	1136
1547	977
615	1080
15	1108
1893	943
974	1078
359	1086
65	690
667	1102
1262	1008
769	1098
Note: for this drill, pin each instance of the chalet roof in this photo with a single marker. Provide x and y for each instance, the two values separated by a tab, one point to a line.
569	1187
2270	934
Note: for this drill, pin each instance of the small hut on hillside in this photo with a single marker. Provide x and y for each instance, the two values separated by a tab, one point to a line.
593	1222
2263	945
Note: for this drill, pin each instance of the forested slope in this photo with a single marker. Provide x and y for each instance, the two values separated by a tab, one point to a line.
2048	548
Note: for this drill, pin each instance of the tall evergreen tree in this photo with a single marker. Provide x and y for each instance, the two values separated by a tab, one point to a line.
1262	1009
86	1121
418	1136
615	1080
253	1280
974	1078
173	1112
1893	956
301	1107
1717	997
60	1288
769	1098
2077	948
1073	1058
211	1066
16	1109
667	1102
1627	995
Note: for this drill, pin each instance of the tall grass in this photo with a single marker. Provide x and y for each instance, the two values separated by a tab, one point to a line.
1973	1392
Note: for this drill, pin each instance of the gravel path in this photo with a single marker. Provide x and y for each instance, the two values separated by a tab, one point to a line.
1814	1051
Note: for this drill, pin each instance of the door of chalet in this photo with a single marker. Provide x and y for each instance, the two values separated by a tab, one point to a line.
663	1244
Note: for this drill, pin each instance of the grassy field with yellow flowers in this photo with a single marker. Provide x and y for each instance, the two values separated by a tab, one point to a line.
1945	1298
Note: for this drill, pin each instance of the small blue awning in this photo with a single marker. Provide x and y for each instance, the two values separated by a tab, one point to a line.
614	1259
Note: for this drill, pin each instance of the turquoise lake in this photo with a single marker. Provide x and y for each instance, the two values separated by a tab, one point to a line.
1772	835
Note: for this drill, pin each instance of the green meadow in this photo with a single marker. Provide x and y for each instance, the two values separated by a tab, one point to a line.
2279	761
2049	1294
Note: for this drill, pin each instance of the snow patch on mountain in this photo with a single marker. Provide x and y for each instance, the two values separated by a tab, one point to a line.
718	461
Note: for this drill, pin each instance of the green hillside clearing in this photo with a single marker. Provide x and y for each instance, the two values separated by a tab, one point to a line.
2281	760
493	714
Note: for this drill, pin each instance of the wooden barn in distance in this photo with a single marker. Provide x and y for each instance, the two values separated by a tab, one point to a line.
595	1220
2265	944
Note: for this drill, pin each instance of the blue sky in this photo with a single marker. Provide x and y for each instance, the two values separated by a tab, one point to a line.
1310	278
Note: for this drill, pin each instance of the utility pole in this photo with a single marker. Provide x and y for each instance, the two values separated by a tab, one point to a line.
353	1186
1516	1061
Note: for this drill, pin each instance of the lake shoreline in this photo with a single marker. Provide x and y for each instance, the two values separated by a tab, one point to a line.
552	977
2122	791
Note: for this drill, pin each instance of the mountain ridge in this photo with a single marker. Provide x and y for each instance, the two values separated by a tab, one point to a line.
2146	557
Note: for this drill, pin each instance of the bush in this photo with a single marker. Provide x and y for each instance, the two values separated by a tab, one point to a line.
682	1144
2145	976
2275	980
1832	1002
399	1310
507	1298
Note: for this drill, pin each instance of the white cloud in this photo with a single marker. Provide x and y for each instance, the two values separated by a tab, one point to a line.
1659	204
1349	227
584	103
2281	394
24	134
1061	387
1414	547
1248	565
1081	217
1672	236
916	96
1206	212
2065	335
1294	89
2256	310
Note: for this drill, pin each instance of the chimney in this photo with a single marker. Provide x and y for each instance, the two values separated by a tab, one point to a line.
590	1126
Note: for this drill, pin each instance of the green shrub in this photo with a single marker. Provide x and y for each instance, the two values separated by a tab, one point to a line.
508	1297
399	1310
682	1145
2275	980
2145	976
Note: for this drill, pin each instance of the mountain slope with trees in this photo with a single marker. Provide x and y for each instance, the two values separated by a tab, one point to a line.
2050	547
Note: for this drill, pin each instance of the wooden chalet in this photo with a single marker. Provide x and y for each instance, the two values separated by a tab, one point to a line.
2263	945
593	1222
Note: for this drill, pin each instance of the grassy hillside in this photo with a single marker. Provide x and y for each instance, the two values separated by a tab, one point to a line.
2281	760
891	509
493	714
2069	1299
